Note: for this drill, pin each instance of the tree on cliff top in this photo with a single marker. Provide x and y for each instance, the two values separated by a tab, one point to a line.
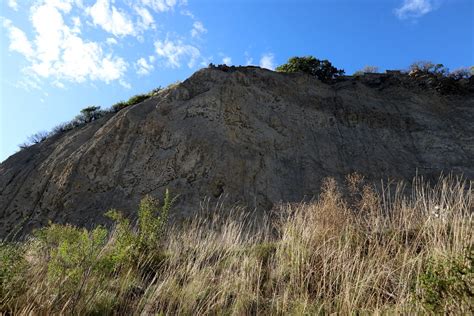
90	114
322	69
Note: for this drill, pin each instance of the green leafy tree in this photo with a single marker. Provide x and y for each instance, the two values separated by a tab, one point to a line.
90	114
322	69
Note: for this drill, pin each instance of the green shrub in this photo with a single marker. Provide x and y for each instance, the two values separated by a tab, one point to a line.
152	220
322	69
460	73
154	92
74	254
137	99
121	252
119	106
133	100
447	284
88	271
429	67
13	270
89	114
63	127
367	69
35	139
135	246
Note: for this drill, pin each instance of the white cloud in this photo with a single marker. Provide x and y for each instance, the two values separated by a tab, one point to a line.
414	8
188	13
175	52
29	83
198	28
18	40
248	59
125	84
267	61
111	41
227	60
13	4
147	20
57	51
143	67
160	5
205	61
58	84
77	24
110	18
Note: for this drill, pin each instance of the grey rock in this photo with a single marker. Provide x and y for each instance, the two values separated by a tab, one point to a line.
248	136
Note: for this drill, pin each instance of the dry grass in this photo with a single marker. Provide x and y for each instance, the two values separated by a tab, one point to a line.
367	251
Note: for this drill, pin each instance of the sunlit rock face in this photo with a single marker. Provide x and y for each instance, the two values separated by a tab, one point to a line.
243	135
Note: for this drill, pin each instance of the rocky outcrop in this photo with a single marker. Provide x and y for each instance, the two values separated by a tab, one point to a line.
255	136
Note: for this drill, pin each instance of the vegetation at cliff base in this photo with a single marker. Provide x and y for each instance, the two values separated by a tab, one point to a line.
364	251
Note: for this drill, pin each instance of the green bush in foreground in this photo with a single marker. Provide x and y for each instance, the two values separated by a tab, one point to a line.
447	284
80	265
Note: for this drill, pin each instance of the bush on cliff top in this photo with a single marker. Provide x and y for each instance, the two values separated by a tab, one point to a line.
367	69
132	101
87	115
322	69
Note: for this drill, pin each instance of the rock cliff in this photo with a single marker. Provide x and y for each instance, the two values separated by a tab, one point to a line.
255	136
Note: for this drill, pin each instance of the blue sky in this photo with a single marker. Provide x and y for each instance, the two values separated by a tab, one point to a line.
59	56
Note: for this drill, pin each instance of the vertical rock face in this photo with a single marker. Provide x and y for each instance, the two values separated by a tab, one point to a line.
252	135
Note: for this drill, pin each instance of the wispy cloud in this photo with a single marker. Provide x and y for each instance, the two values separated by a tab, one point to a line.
111	41
144	67
111	19
58	52
58	45
174	52
248	59
227	60
147	20
162	5
13	4
198	29
267	61
414	9
18	40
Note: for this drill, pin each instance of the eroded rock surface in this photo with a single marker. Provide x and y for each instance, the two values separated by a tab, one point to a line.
252	135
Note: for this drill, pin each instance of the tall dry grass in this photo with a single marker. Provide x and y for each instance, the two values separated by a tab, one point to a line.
368	251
